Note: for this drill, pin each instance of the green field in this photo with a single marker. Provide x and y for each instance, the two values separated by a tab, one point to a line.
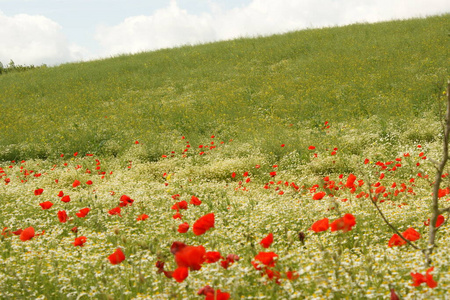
216	121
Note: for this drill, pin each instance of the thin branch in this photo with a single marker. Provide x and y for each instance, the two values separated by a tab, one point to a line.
388	223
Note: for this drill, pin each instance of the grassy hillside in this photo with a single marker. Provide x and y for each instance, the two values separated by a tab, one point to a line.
262	91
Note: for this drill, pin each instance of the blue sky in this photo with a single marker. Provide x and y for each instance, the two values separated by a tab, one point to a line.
59	31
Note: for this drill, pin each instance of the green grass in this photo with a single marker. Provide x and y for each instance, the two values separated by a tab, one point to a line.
379	87
245	89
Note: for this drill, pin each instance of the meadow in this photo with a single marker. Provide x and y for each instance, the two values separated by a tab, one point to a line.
155	175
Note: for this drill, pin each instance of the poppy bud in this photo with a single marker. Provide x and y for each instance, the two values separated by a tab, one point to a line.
302	236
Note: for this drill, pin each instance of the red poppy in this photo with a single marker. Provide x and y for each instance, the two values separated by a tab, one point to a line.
60	194
195	201
273	174
76	183
115	211
381	189
142	217
62	216
292	275
89	182
267	241
396	240
205	290
79	241
65	198
212	257
125	200
191	257
18	231
183	228
180	205
427	278
177	246
319	195
345	223
27	234
38	192
46	204
180	274
411	234
83	212
311	148
321	225
117	257
217	295
394	295
440	220
203	224
177	216
265	258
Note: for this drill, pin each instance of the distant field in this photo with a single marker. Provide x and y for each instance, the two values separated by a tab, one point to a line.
109	168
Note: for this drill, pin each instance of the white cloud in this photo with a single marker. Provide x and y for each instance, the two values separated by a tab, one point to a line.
173	26
33	39
167	27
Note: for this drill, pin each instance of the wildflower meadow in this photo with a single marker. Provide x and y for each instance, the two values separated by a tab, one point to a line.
309	165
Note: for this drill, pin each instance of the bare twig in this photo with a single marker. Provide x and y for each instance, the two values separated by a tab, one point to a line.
388	223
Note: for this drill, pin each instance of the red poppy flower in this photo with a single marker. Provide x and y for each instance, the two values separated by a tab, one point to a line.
191	257
396	240
115	211
142	217
79	241
440	220
319	195
180	274
65	198
233	175
46	204
311	148
180	205
177	216
345	223
125	200
273	174
195	201
267	241
18	231
60	194
418	279
83	212
38	192
212	257
76	183
177	246
183	228
265	258
203	224
411	234
292	275
217	295
394	295
89	182
205	290
27	234
117	257
62	216
321	225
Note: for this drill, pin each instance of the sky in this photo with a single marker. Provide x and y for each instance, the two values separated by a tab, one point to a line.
53	32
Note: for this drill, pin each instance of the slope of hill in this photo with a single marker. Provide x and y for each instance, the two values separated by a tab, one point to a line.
263	91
